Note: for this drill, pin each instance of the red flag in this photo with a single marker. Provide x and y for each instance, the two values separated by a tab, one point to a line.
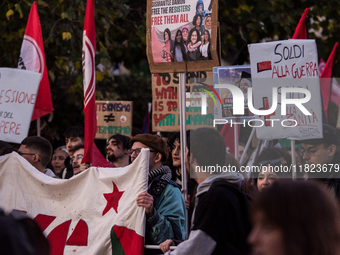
32	58
228	135
146	123
321	65
91	153
301	28
325	80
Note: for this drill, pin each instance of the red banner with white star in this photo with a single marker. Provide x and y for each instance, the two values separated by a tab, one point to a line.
94	212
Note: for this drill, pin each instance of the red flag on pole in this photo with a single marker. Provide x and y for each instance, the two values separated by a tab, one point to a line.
146	123
325	80
301	28
91	153
32	58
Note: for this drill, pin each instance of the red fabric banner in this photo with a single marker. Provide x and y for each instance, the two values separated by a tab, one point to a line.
91	153
325	80
32	58
301	28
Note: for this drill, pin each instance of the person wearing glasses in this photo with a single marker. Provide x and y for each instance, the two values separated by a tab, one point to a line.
38	152
163	203
117	150
77	157
322	158
73	136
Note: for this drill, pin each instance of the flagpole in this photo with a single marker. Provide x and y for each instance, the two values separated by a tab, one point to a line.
292	145
183	136
38	127
236	141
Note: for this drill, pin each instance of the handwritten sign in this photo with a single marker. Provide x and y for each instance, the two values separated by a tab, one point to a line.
165	101
113	117
18	89
286	65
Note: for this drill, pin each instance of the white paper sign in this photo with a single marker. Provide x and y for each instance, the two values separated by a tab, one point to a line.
18	90
286	64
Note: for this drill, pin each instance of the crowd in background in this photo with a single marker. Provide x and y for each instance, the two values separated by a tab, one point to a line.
263	212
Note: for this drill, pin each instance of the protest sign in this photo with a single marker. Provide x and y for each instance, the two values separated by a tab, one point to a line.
18	90
238	76
165	101
94	212
286	84
182	35
113	117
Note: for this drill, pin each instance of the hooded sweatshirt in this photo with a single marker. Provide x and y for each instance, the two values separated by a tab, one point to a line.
220	222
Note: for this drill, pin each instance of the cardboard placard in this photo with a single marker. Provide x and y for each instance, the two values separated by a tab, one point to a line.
113	117
291	64
238	76
18	90
165	102
166	17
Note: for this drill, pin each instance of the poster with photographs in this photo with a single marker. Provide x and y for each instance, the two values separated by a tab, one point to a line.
238	76
182	35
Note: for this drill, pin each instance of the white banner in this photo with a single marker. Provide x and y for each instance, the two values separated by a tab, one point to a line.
286	65
18	91
78	215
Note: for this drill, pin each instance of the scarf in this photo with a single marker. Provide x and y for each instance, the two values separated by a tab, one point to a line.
158	179
192	47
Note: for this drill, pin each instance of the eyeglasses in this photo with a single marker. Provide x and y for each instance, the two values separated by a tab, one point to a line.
270	162
78	157
22	153
310	151
137	151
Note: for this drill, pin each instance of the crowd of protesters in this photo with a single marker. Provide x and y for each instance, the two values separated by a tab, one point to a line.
228	212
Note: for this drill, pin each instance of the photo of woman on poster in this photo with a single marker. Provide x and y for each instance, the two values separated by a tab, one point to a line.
207	22
168	45
194	42
197	22
244	84
200	9
205	47
179	51
185	33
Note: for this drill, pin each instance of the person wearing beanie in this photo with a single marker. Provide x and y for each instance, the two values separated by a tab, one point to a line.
163	203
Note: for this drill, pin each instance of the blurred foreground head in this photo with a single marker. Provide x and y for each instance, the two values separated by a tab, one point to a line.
295	217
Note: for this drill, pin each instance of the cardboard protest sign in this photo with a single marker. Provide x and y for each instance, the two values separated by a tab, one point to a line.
182	35
113	117
18	90
238	76
165	101
286	71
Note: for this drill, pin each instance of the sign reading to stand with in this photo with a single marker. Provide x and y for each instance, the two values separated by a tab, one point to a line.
18	90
